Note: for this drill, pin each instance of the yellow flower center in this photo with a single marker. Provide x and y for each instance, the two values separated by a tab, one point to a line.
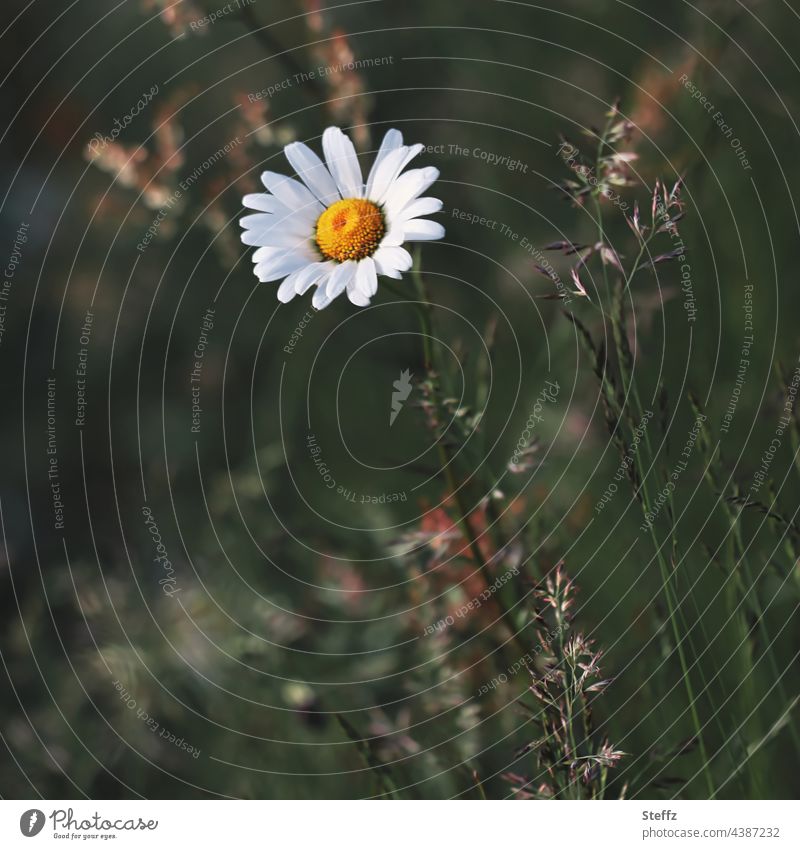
350	229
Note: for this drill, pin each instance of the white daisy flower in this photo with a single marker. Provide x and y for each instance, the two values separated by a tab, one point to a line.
334	232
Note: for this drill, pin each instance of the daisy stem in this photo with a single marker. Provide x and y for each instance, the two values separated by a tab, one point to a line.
395	290
425	313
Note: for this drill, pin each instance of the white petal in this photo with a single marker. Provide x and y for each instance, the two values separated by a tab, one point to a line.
391	141
292	194
284	262
390	169
420	207
384	172
343	162
265	221
320	300
387	271
286	291
312	171
258	220
281	234
421	230
311	274
395	236
366	279
266	252
270	251
266	229
385	268
408	187
263	203
253	238
356	297
391	261
339	279
280	237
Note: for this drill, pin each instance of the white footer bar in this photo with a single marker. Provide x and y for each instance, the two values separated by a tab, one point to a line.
390	824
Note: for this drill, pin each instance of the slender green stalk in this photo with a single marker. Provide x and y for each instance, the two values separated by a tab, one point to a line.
478	784
629	387
672	607
671	610
746	586
749	594
424	312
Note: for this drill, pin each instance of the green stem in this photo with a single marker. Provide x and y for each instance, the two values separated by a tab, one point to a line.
424	311
629	385
749	594
671	609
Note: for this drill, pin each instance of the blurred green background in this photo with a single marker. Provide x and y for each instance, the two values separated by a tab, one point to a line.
295	602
